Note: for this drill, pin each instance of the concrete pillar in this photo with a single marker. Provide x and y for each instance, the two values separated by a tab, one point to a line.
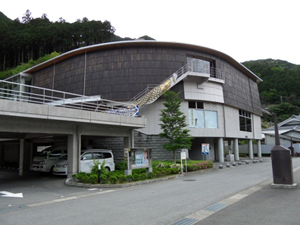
74	151
221	149
1	156
30	155
129	141
259	148
250	146
21	157
236	149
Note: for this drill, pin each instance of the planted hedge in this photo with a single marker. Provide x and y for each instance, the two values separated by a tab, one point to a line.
160	169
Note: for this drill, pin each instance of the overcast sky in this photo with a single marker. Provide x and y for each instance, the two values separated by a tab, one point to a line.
245	30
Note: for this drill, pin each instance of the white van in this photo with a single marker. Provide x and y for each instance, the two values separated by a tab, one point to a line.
45	163
87	159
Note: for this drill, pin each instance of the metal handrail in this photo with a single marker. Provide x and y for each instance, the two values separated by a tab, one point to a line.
214	73
38	95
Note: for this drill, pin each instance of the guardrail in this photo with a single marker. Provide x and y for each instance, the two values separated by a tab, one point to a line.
214	73
38	95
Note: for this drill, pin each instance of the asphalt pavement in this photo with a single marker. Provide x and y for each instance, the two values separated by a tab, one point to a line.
267	205
240	194
261	204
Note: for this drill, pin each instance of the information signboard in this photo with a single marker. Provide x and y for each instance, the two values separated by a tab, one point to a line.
205	149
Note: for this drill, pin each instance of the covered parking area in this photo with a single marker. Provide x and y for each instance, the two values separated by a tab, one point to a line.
25	124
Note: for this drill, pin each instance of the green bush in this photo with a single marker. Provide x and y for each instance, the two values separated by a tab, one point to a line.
113	179
93	179
121	178
143	176
103	179
121	166
83	177
157	173
160	169
191	167
151	175
136	176
129	178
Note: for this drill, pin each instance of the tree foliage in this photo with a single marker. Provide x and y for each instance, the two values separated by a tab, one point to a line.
34	37
279	91
173	124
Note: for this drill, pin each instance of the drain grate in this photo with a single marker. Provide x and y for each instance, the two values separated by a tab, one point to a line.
185	221
215	207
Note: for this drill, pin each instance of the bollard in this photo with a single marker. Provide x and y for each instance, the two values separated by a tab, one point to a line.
99	172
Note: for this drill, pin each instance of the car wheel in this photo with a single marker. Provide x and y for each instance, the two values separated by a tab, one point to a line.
107	169
51	170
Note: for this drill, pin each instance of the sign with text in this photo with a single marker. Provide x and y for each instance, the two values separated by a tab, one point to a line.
205	149
183	155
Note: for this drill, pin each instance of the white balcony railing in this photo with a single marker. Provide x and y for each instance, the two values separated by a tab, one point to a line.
32	94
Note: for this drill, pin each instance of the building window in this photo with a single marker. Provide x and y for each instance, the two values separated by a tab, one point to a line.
195	105
198	65
200	118
245	121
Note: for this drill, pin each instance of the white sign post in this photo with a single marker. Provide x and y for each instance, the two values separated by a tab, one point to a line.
205	150
183	157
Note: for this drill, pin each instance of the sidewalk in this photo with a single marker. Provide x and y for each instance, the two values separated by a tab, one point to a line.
261	204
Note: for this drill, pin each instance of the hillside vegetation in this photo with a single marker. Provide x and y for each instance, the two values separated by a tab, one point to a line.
279	91
32	38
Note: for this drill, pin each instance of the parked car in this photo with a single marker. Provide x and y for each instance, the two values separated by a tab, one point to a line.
87	161
45	163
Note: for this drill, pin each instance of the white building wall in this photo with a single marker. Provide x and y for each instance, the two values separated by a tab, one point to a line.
256	126
232	125
207	91
211	93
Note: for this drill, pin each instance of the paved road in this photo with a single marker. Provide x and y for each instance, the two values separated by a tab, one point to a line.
48	201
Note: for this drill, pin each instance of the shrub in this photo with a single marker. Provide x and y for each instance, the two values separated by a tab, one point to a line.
151	175
174	170
157	173
136	176
121	178
160	165
191	167
113	179
143	176
83	177
129	178
93	179
121	166
103	179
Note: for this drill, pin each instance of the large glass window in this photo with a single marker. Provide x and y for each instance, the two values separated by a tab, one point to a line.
200	118
245	121
198	65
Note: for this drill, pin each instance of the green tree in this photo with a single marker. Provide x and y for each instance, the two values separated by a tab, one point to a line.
173	124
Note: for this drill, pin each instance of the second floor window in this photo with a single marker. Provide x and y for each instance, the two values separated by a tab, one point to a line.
200	118
245	121
198	65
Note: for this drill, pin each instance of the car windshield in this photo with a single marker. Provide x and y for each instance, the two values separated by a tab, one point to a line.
55	153
63	157
44	152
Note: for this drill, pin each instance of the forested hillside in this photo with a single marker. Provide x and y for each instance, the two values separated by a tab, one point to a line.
279	91
32	38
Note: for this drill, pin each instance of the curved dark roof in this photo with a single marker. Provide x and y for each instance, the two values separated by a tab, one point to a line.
143	43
